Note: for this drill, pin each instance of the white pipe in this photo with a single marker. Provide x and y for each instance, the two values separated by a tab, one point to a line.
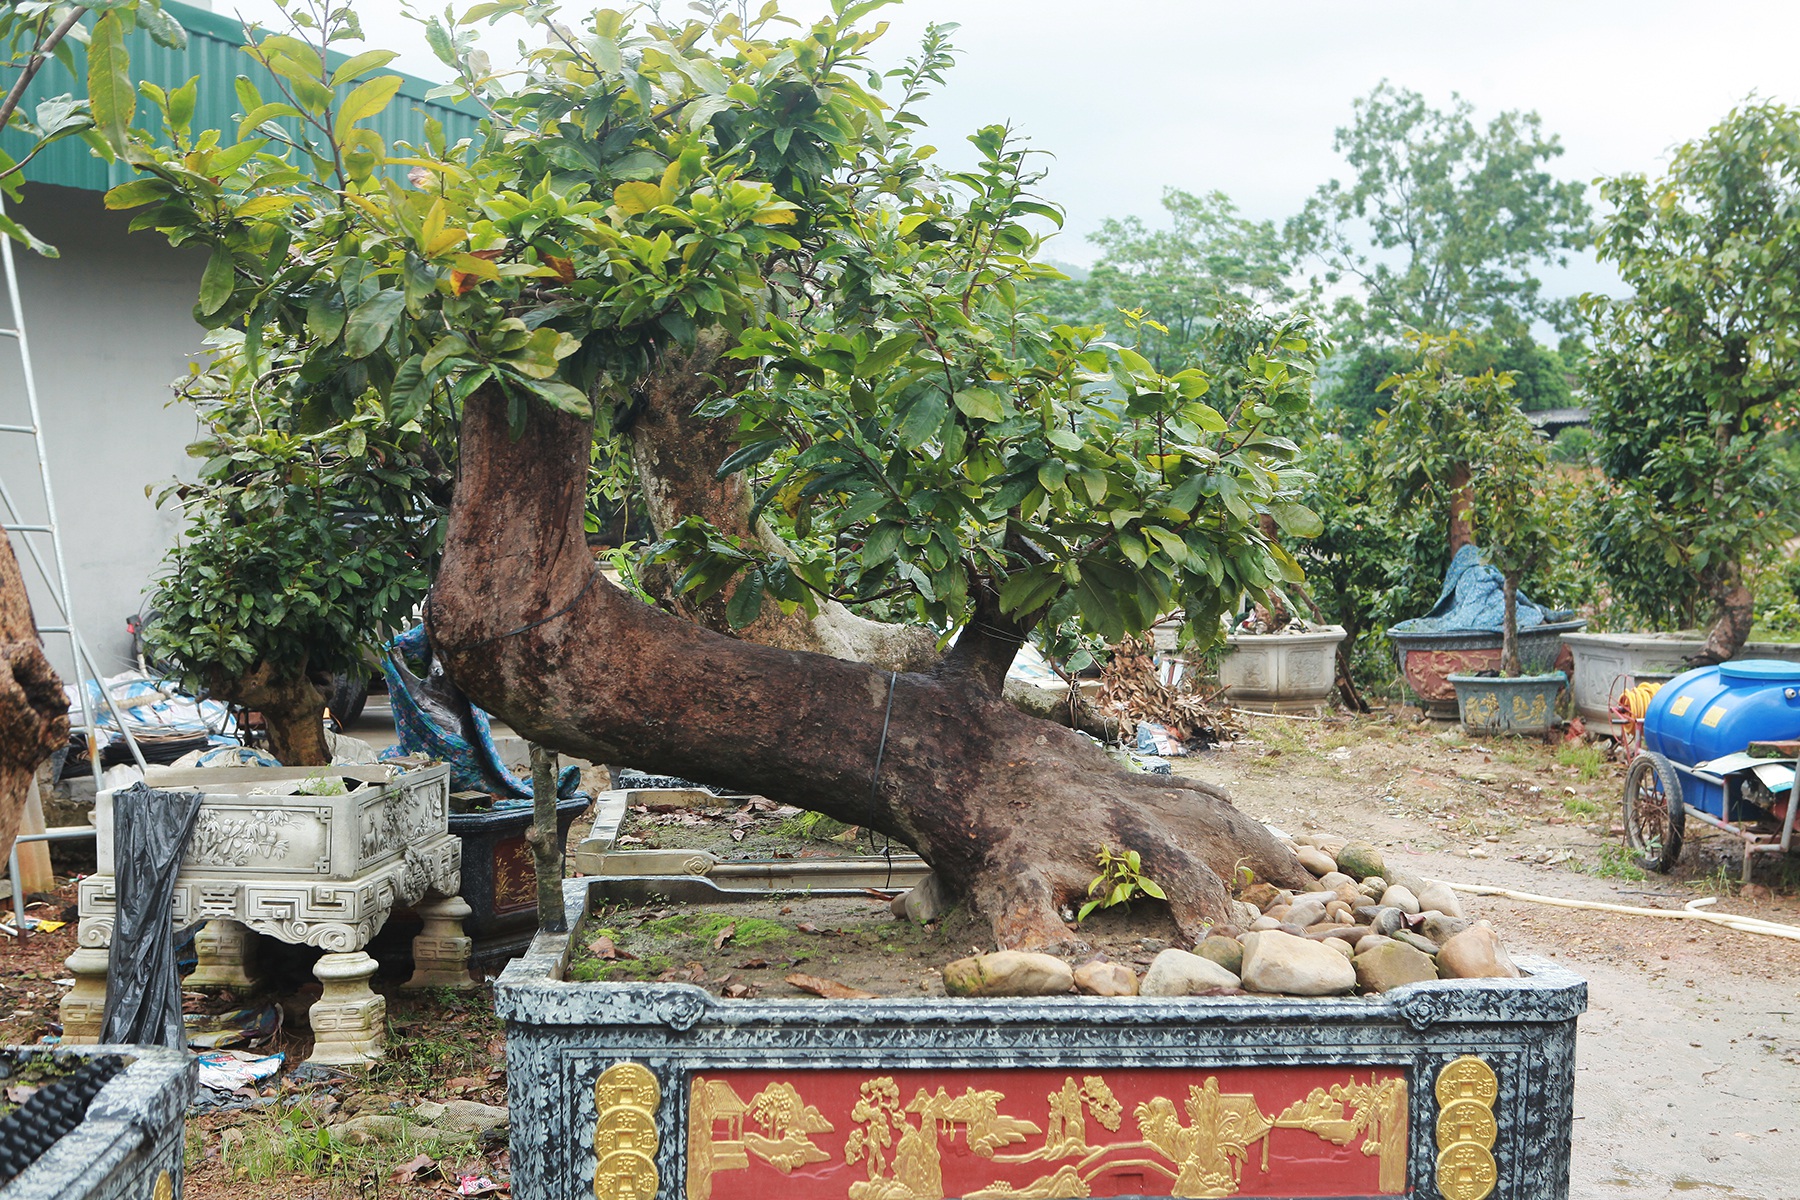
1689	912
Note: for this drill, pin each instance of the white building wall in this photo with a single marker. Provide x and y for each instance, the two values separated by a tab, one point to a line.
111	326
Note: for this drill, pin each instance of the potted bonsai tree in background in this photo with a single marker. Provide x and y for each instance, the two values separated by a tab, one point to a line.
1521	518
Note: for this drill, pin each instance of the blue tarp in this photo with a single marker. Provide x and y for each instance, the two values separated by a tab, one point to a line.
434	718
1472	599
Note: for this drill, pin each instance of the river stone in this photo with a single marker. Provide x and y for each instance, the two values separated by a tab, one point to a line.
1388	920
1406	879
1178	973
1440	928
1309	909
1401	898
1100	978
1281	964
1264	895
1336	879
1370	941
1316	860
1225	951
1242	913
1416	941
1438	896
1008	973
1262	923
1374	885
1476	953
1391	964
1360	860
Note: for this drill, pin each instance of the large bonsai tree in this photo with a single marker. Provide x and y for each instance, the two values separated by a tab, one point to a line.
722	226
1693	374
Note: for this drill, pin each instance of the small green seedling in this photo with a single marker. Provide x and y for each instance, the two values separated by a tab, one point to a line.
1121	877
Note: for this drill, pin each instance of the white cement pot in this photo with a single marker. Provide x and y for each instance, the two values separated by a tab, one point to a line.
1281	672
1609	663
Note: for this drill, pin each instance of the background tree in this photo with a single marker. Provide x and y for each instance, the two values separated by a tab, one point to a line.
1208	258
915	432
301	547
1693	374
1521	512
1443	223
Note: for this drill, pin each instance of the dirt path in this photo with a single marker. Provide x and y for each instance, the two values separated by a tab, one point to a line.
1688	1060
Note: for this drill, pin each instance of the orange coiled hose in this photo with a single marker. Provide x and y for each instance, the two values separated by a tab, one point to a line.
1636	701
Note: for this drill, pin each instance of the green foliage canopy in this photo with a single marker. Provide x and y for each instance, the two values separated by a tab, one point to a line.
1693	374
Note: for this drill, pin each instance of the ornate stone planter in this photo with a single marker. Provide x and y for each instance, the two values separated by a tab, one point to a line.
499	881
1492	704
1427	660
317	870
1281	672
1459	1089
1606	664
128	1145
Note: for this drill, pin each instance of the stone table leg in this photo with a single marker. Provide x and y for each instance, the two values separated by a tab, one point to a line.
224	948
348	1020
441	951
85	1003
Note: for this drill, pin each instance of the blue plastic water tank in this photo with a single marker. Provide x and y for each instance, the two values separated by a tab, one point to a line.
1713	711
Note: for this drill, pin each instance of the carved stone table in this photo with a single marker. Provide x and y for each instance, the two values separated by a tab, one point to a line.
269	856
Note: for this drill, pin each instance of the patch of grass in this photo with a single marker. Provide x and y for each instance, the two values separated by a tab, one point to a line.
814	827
1581	806
436	1035
1279	735
704	927
1587	760
1520	754
295	1143
586	968
1615	863
1337	739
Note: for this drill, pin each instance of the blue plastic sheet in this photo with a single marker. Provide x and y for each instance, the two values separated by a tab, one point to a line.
432	717
1472	599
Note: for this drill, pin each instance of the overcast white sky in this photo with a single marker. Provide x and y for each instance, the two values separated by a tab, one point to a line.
1135	95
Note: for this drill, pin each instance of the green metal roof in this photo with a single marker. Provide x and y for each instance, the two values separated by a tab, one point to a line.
214	54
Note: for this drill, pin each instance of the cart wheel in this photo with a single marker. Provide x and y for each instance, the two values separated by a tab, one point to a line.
1654	813
349	692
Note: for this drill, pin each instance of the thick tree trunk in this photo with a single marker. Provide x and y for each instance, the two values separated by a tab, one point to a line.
1733	614
34	709
293	712
1008	809
1509	626
1462	532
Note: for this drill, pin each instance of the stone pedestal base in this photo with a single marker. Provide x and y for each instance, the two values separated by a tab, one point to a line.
224	949
441	950
349	1020
81	1009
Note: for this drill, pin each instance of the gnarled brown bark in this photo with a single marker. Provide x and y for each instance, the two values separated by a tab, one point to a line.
1462	499
293	712
1008	809
34	709
1734	613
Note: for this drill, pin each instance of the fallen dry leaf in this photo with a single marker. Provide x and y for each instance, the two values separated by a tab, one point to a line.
406	1172
736	991
724	936
878	894
466	1083
807	927
831	989
755	964
603	947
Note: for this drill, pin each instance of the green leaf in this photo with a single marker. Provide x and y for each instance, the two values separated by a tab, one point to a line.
745	604
372	321
111	98
981	404
561	396
362	64
137	192
217	281
411	391
325	316
163	29
1297	519
922	418
1150	887
368	98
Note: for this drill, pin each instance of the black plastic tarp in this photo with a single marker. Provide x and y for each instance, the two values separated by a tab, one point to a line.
143	986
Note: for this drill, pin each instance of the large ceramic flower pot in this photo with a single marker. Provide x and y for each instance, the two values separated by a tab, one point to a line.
1427	660
1458	1088
1281	672
1492	704
126	1146
1607	664
499	879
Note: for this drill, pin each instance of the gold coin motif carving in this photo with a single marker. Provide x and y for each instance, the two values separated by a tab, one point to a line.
164	1188
1467	1078
1466	1121
627	1085
627	1175
624	1129
1466	1171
